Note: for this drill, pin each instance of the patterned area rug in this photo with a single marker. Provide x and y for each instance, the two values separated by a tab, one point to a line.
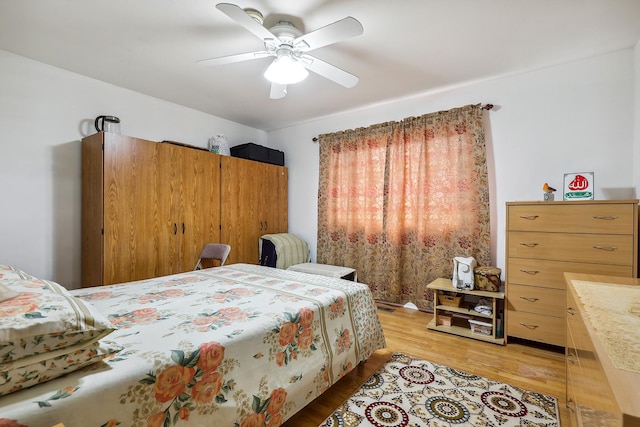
414	393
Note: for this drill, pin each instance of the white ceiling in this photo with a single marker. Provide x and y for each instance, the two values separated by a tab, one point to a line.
408	47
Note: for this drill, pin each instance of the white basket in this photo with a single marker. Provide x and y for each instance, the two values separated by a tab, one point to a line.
482	328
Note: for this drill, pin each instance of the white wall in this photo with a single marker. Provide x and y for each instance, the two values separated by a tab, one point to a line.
572	117
44	113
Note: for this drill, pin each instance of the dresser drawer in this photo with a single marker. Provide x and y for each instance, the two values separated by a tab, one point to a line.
597	248
533	299
550	274
611	218
536	327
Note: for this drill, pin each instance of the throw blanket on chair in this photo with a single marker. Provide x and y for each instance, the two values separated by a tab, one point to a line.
289	249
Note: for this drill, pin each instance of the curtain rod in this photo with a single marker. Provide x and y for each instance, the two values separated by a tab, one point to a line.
482	107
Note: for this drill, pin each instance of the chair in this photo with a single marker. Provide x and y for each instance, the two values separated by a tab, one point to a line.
282	250
213	251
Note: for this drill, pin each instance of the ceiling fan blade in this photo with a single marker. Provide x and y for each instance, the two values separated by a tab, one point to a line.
329	71
278	91
343	29
230	59
241	17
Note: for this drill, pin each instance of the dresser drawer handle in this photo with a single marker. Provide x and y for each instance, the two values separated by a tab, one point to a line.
529	217
527	325
530	299
571	359
529	244
608	217
605	248
570	405
571	311
532	272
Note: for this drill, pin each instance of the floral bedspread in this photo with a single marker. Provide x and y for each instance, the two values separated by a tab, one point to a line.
240	345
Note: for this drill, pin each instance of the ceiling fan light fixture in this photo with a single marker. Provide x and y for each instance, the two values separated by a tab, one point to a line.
286	70
289	47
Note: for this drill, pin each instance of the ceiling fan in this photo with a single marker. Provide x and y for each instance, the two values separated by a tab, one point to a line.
289	46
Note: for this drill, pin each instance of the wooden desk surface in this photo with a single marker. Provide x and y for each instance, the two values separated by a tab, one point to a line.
624	383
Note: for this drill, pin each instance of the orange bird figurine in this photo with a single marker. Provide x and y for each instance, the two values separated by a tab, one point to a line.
548	189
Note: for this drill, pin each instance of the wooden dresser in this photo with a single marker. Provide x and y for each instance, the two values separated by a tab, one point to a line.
603	364
546	239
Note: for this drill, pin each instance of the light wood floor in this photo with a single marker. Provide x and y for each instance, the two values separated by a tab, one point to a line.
534	368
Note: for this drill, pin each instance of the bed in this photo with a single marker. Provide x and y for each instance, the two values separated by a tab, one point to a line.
240	345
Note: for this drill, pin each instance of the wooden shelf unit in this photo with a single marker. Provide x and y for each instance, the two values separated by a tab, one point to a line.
459	325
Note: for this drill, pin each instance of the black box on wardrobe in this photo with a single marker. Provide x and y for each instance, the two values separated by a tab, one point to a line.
259	153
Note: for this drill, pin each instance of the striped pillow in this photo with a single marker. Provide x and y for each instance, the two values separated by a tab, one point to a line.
46	318
41	368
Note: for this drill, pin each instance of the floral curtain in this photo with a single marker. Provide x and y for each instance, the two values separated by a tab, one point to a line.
398	201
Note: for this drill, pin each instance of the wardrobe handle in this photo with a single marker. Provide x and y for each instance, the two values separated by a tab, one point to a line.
607	217
529	217
529	326
605	248
183	228
571	311
532	272
260	225
529	244
570	404
530	299
571	359
266	225
175	228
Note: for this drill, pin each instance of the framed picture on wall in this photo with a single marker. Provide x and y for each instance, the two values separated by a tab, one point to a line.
578	186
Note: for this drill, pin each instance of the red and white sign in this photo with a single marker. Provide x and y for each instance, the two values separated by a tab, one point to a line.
578	186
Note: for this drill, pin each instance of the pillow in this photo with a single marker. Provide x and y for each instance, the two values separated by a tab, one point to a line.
8	272
46	318
16	376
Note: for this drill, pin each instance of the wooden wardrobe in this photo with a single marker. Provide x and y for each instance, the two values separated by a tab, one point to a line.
148	208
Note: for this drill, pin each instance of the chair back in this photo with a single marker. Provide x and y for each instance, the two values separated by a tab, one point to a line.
213	251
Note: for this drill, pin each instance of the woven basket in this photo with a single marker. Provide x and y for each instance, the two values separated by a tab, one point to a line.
487	278
450	300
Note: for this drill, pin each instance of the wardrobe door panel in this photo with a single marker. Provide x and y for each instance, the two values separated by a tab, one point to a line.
92	211
239	204
199	205
131	203
167	229
273	199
